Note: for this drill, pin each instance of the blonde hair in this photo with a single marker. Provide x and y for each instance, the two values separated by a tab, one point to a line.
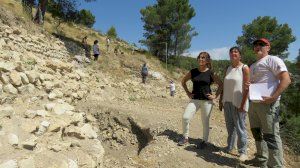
207	59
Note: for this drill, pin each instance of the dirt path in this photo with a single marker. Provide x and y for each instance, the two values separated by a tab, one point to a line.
163	116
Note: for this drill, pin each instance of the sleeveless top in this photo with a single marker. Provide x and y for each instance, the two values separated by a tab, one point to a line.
233	86
201	83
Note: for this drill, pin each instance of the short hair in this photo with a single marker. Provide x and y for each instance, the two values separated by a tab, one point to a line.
96	41
235	48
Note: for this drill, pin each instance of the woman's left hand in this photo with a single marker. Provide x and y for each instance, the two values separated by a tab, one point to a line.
210	96
241	109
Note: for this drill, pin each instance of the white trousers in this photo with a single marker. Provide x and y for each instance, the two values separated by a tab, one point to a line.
192	107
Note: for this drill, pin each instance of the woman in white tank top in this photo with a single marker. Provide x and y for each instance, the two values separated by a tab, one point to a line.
235	102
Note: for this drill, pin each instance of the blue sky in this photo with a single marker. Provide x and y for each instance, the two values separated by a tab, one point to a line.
218	22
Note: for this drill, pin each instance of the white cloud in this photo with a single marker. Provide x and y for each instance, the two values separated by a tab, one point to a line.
215	53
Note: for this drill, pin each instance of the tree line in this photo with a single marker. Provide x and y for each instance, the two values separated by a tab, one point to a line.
61	10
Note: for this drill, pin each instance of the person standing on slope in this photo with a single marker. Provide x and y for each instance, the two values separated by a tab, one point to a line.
201	97
234	99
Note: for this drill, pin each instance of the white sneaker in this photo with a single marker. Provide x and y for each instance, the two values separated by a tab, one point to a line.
243	157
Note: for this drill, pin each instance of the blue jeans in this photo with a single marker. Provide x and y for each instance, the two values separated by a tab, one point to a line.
235	124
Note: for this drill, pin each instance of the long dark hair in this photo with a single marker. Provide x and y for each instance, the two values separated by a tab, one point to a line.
207	59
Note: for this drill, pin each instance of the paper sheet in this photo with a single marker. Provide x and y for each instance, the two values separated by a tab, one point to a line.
257	90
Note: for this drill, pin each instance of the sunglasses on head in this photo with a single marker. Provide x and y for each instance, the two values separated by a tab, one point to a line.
260	44
202	57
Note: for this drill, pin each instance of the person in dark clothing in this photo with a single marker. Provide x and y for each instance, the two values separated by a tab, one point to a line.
96	50
86	47
201	96
144	73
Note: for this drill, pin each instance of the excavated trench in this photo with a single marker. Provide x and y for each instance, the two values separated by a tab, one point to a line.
121	132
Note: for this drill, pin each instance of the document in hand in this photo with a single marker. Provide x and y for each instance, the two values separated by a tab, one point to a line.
257	90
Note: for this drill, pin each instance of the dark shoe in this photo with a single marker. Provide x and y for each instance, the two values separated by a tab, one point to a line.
202	145
183	141
254	162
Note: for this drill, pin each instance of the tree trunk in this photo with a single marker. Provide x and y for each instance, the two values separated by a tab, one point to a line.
176	43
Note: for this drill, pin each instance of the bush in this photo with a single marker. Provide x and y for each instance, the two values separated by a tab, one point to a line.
290	113
85	17
112	33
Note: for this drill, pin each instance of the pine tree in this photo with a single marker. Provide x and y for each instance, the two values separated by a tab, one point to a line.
168	22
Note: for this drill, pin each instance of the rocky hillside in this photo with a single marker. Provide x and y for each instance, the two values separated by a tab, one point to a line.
60	110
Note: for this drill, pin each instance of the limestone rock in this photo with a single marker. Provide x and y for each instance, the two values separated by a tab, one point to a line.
49	106
81	74
6	111
13	139
62	108
55	148
57	64
7	66
43	127
4	78
52	96
22	89
32	76
88	131
24	78
9	88
15	78
73	131
9	164
27	163
30	88
30	143
77	117
55	94
46	77
41	113
156	75
72	163
30	114
19	67
48	86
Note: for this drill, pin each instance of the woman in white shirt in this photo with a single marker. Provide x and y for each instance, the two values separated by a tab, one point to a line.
235	102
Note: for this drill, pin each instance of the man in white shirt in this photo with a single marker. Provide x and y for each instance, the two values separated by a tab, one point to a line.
264	115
